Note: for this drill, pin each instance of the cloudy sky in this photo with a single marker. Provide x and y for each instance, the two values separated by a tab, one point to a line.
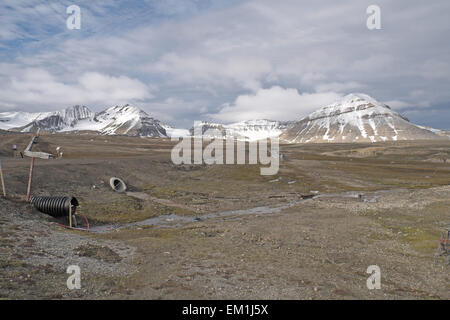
225	60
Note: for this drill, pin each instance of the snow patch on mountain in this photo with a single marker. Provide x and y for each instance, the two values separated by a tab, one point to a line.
11	120
250	130
356	118
126	120
172	132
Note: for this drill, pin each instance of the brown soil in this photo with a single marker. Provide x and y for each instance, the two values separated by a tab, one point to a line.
316	249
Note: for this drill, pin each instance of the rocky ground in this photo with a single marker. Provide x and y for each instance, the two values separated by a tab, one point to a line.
375	204
36	253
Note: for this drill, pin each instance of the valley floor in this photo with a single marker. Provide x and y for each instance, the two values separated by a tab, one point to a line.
381	204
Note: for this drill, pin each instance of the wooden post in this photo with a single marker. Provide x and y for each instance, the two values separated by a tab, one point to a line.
30	178
2	180
70	215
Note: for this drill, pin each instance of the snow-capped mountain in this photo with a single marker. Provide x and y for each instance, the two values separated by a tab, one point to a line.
257	129
59	120
439	132
127	120
46	121
356	118
249	130
443	133
15	120
176	133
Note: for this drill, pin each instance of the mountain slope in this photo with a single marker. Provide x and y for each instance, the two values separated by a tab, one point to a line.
439	132
246	130
176	133
15	120
127	120
59	120
357	118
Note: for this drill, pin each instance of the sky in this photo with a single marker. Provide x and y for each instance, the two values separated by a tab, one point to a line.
226	60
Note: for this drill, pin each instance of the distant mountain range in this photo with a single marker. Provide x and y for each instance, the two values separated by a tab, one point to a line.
245	130
356	118
126	120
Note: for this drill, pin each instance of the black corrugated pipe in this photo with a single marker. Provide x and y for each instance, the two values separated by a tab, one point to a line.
54	206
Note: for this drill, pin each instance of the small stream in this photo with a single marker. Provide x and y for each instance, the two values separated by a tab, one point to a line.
174	220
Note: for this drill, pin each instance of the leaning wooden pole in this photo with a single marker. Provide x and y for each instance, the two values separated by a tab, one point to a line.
2	180
70	215
30	178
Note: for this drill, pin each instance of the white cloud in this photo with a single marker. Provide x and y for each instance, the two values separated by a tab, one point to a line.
121	89
243	71
37	86
436	69
204	58
275	103
176	111
344	87
397	104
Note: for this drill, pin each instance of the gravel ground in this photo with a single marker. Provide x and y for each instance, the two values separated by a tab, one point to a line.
34	247
314	249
